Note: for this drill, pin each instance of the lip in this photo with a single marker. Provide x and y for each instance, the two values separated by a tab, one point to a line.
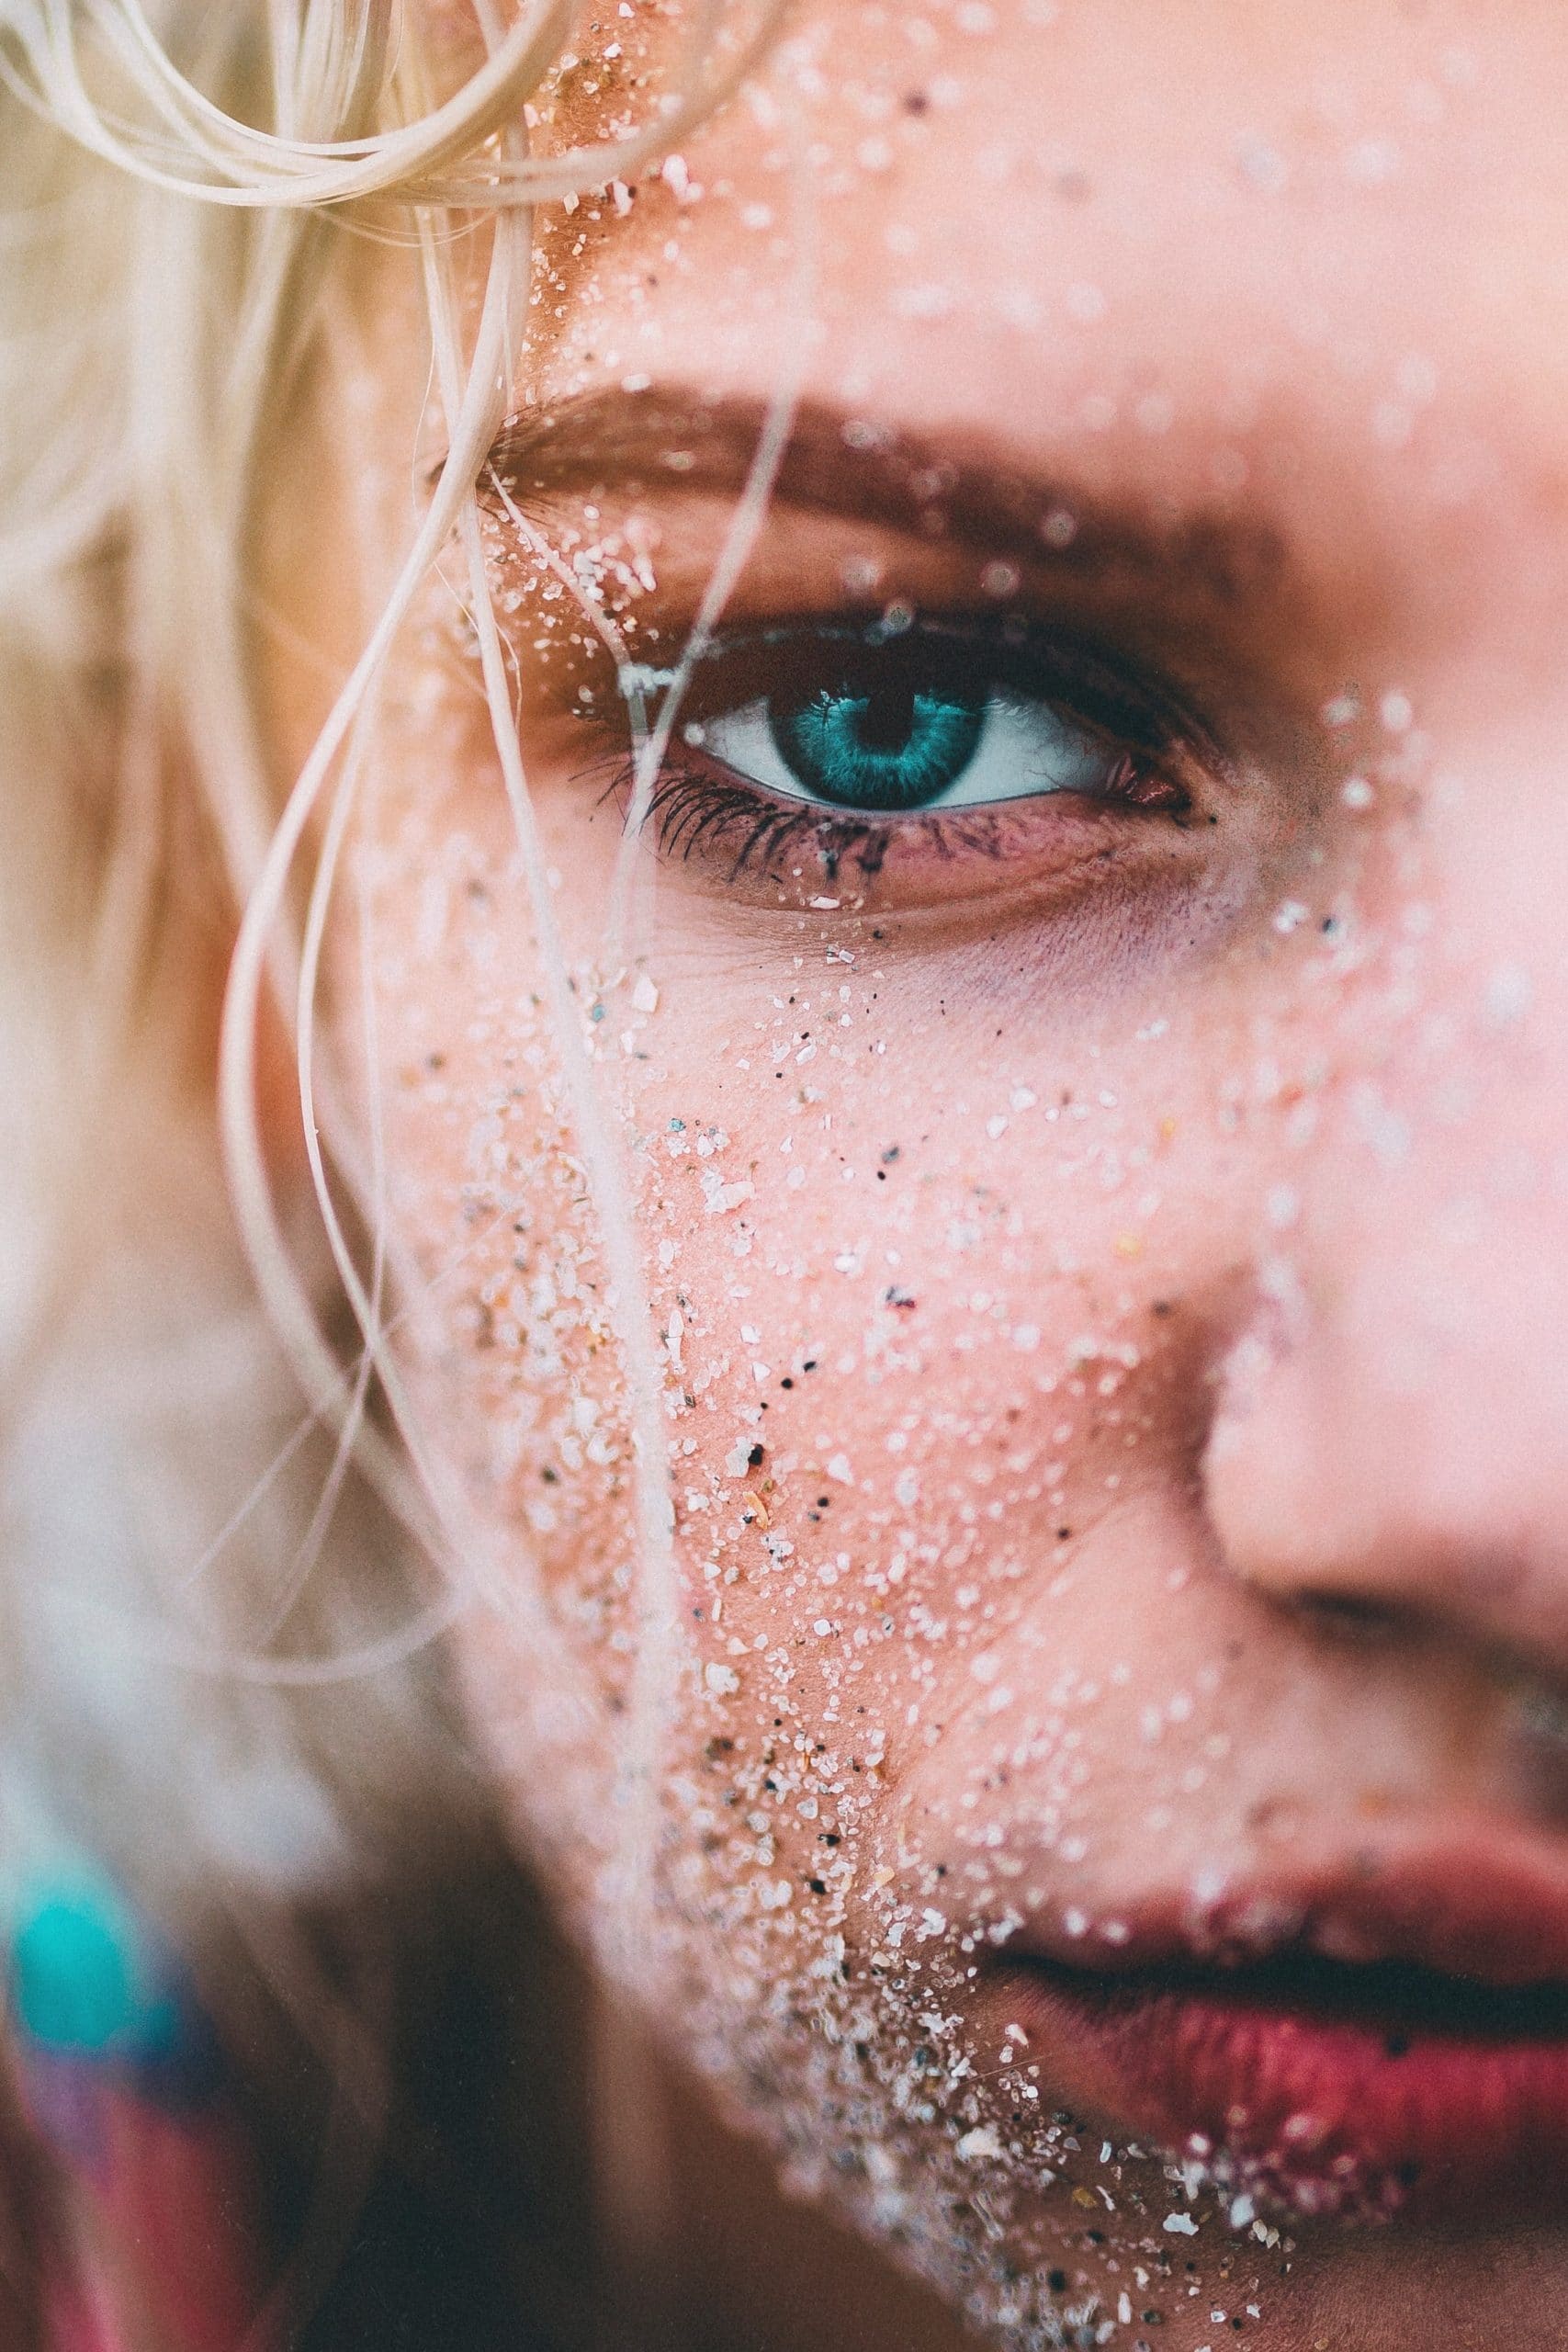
1361	2043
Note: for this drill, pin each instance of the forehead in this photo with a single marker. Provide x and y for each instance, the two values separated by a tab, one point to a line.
999	166
1319	254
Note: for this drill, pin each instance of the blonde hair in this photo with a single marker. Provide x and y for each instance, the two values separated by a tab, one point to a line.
185	1377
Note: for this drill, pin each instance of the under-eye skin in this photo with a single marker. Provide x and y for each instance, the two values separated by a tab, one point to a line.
907	758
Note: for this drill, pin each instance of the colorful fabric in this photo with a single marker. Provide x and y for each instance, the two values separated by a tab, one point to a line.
143	2230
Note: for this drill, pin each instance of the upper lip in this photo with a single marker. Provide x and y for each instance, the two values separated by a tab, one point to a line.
1486	1908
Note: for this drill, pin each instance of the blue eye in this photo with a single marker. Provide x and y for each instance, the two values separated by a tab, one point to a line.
937	718
897	749
892	752
894	759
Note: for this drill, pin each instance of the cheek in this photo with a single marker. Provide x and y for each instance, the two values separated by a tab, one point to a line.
904	1276
936	1267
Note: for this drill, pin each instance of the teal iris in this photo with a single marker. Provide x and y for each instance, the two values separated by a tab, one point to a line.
893	748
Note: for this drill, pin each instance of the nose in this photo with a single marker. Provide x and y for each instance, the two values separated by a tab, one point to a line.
1406	1448
1392	1427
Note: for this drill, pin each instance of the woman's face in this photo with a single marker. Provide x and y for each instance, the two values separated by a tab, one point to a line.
1085	1046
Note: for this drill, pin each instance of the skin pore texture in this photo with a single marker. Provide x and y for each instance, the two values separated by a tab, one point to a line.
1105	1247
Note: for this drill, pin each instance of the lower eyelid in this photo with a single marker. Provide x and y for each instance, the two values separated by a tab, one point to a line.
738	840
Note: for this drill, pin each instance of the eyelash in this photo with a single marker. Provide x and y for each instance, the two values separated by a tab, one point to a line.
687	807
699	804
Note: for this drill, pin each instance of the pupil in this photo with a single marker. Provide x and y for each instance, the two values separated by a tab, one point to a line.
888	719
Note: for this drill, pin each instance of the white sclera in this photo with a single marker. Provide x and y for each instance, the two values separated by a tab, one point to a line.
1025	748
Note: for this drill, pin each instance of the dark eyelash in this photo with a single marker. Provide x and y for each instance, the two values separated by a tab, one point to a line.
687	808
693	811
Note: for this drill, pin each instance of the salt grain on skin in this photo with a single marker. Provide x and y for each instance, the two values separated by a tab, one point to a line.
852	1582
1508	996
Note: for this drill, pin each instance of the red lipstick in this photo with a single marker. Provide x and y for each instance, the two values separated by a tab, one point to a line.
1335	2089
1357	2047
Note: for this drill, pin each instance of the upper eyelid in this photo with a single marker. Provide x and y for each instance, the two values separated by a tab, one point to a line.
775	594
1106	694
1205	554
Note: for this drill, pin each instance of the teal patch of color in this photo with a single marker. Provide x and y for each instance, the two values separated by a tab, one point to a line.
73	1978
90	1981
889	750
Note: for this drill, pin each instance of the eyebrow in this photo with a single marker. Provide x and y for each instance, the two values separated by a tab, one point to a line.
666	441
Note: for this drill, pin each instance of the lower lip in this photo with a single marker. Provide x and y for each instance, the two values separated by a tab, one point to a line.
1359	2113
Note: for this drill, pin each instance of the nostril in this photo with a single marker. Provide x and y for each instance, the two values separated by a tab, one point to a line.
1354	1617
1540	1711
1538	1745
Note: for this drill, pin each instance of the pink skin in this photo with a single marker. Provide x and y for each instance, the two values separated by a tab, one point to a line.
1220	1269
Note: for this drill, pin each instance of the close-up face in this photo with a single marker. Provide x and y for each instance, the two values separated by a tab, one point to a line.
1028	937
